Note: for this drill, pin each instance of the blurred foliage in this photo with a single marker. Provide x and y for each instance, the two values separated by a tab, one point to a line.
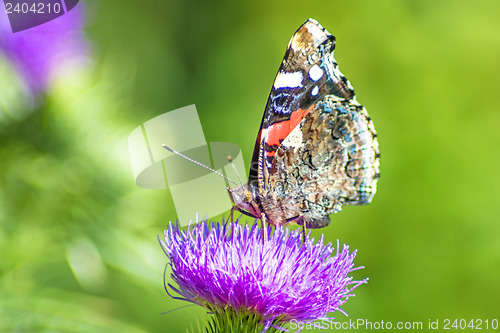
78	247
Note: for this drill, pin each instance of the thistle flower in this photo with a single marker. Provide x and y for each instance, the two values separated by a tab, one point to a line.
246	283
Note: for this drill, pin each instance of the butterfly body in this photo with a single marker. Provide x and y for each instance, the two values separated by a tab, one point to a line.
317	148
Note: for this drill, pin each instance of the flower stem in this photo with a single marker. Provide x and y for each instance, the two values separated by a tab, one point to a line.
227	320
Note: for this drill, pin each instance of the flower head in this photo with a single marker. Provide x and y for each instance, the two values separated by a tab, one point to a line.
282	280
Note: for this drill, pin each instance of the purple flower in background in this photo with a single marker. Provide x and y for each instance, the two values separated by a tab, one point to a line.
47	50
234	274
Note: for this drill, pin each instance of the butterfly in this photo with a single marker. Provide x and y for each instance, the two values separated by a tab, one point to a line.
317	148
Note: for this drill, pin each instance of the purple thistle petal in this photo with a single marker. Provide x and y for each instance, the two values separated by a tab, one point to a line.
283	280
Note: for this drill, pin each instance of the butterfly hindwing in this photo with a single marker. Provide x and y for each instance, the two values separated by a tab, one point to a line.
335	158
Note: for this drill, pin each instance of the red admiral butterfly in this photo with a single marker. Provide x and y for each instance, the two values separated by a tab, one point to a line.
317	148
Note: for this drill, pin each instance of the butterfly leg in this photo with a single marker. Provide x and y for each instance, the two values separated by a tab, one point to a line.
304	231
241	211
264	228
297	219
238	209
231	213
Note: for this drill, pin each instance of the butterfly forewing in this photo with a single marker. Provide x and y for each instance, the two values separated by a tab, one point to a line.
303	78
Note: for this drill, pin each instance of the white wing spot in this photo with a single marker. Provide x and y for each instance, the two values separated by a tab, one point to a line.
315	91
288	80
315	73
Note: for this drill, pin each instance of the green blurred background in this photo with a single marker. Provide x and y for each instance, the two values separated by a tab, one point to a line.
78	246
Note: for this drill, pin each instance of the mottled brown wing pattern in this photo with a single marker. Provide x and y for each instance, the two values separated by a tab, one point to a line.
317	148
330	159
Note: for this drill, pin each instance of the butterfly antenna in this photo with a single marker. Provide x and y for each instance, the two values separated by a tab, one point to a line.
230	159
196	162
